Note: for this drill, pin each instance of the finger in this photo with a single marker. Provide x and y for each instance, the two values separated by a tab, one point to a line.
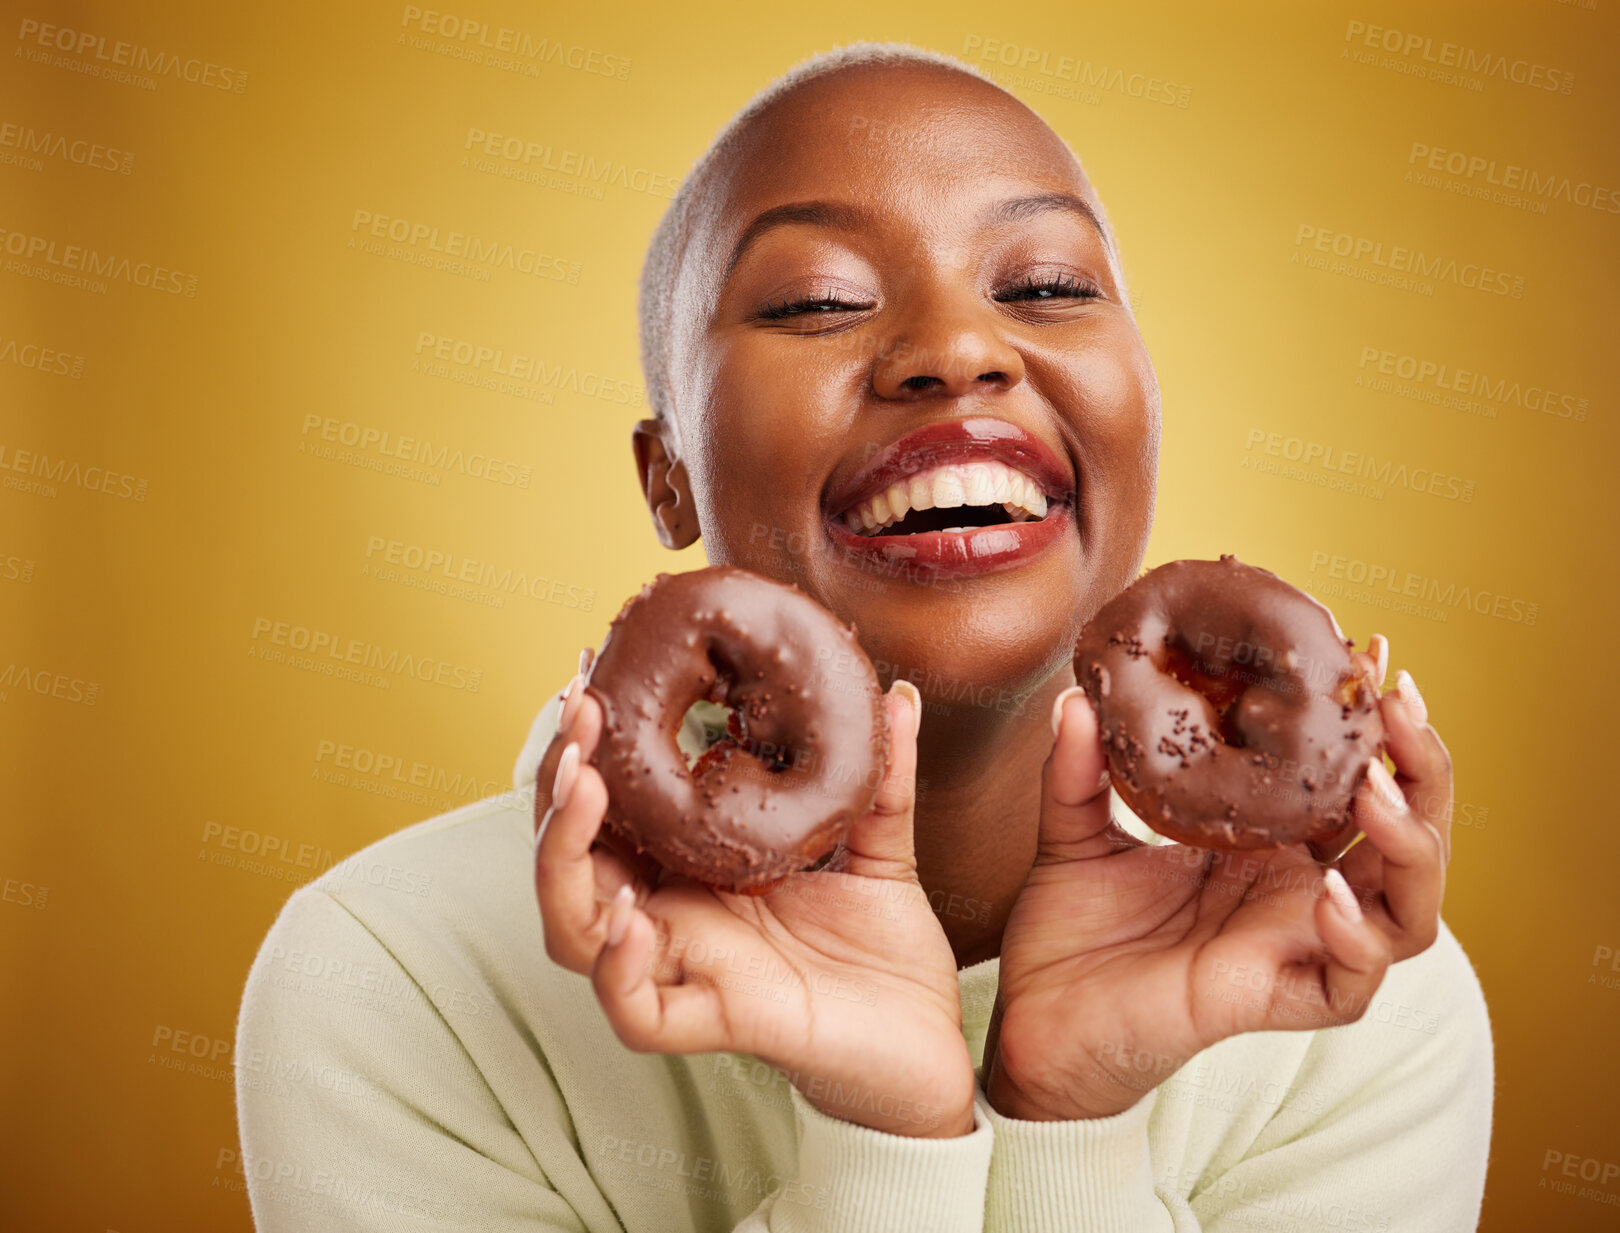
1378	652
1407	688
572	697
647	1016
882	842
1413	865
1359	953
1422	763
565	873
1075	819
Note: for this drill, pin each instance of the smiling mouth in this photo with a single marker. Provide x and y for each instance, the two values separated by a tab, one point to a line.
953	497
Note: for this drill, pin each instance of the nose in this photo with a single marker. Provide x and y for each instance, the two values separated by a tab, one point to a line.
948	346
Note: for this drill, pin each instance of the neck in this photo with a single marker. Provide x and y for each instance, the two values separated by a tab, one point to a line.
978	812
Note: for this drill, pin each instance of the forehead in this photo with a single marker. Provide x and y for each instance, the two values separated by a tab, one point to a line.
914	136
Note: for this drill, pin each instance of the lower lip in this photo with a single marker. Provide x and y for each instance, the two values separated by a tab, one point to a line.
942	555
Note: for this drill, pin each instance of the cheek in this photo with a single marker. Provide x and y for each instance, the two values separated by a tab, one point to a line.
764	440
1107	396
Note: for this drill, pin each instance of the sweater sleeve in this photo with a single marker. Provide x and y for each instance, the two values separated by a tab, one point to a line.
860	1179
360	1109
1385	1124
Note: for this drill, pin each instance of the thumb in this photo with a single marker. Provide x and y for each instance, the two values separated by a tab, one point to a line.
1075	821
881	844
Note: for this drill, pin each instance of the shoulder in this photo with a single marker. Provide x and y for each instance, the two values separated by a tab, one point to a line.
1421	1056
1429	1009
453	891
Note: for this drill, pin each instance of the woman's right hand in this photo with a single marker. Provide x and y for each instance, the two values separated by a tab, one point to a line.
841	979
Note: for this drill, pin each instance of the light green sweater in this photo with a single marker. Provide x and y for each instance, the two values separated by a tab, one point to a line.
409	1058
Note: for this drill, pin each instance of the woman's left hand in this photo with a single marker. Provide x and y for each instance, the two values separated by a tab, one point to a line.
1122	960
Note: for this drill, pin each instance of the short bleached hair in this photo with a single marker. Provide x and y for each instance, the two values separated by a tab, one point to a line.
667	250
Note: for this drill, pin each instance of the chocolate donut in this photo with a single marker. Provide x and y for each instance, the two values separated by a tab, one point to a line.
808	737
1232	711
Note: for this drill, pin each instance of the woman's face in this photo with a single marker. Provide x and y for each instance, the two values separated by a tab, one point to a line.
901	298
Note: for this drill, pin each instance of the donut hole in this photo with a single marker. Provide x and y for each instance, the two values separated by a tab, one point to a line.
711	733
1221	689
703	726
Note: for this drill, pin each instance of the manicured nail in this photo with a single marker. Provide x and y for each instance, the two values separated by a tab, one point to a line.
1384	784
570	706
1343	897
908	691
1407	688
1057	707
587	656
619	914
567	771
1378	648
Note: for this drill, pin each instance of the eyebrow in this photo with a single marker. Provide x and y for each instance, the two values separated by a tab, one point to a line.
1016	209
820	213
840	217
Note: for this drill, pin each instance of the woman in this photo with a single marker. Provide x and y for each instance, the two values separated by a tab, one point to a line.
1003	1010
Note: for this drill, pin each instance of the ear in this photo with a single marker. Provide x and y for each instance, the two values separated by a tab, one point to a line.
665	485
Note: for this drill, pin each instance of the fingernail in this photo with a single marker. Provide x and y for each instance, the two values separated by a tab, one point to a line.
1343	897
587	656
908	691
619	914
1378	645
1384	784
571	697
1058	704
567	771
1407	689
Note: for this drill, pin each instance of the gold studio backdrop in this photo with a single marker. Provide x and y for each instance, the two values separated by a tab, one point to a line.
318	364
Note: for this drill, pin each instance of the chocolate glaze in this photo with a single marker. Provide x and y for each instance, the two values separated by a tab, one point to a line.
1232	712
809	738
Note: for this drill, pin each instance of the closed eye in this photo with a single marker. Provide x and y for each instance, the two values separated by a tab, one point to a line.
1052	287
805	307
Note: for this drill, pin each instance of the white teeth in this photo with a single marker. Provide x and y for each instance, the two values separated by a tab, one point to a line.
899	501
981	486
978	483
922	492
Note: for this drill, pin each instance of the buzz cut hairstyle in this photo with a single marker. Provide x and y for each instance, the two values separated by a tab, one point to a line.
667	249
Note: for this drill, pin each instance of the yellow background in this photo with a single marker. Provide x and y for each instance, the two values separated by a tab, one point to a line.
129	912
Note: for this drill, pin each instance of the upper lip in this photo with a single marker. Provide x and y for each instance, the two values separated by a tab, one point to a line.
948	441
